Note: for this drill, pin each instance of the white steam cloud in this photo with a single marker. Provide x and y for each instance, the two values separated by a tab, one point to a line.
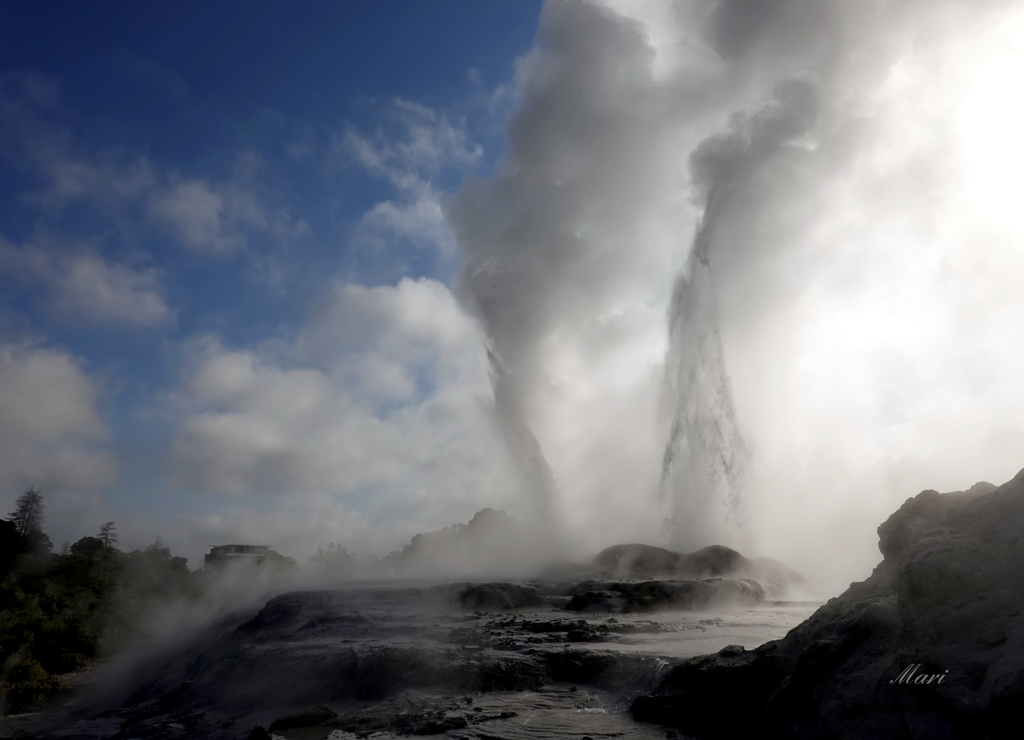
816	197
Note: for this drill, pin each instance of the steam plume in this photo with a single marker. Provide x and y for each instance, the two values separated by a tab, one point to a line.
537	269
706	455
790	183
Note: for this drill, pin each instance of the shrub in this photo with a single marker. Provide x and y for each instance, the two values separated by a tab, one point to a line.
28	686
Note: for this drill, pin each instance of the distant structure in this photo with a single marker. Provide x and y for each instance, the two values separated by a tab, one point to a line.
221	555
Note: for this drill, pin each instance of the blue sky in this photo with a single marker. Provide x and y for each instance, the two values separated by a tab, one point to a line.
178	172
255	91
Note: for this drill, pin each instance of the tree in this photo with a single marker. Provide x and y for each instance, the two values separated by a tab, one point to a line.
275	559
28	516
335	557
12	547
90	548
108	534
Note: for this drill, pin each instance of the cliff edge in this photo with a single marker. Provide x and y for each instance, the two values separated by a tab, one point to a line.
931	645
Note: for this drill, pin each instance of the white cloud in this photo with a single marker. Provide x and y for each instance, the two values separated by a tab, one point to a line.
420	219
218	217
109	183
36	132
416	325
196	213
375	410
429	144
82	287
50	434
209	219
212	216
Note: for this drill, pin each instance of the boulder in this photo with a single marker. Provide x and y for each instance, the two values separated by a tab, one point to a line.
636	561
930	646
714	561
648	561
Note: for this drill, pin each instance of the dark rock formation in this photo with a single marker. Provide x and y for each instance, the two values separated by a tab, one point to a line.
930	646
592	598
714	561
419	716
512	674
498	596
312	717
650	596
647	561
919	514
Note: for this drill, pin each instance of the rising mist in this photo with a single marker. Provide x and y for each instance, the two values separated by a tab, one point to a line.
717	263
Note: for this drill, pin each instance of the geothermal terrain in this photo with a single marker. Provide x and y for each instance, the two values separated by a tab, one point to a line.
641	643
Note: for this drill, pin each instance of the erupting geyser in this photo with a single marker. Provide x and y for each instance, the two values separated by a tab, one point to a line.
706	454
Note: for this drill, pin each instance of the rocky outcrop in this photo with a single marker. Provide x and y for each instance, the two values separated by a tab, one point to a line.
714	561
422	715
592	598
930	646
311	717
650	596
919	514
498	596
647	561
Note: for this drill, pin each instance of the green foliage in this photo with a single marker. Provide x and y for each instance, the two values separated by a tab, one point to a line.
28	686
27	516
147	579
108	534
59	611
13	545
274	559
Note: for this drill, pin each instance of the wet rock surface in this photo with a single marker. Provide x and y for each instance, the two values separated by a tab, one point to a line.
312	717
715	561
498	596
930	646
650	596
554	712
400	660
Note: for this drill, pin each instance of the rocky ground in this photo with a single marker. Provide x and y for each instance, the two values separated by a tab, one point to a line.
641	643
473	660
942	610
